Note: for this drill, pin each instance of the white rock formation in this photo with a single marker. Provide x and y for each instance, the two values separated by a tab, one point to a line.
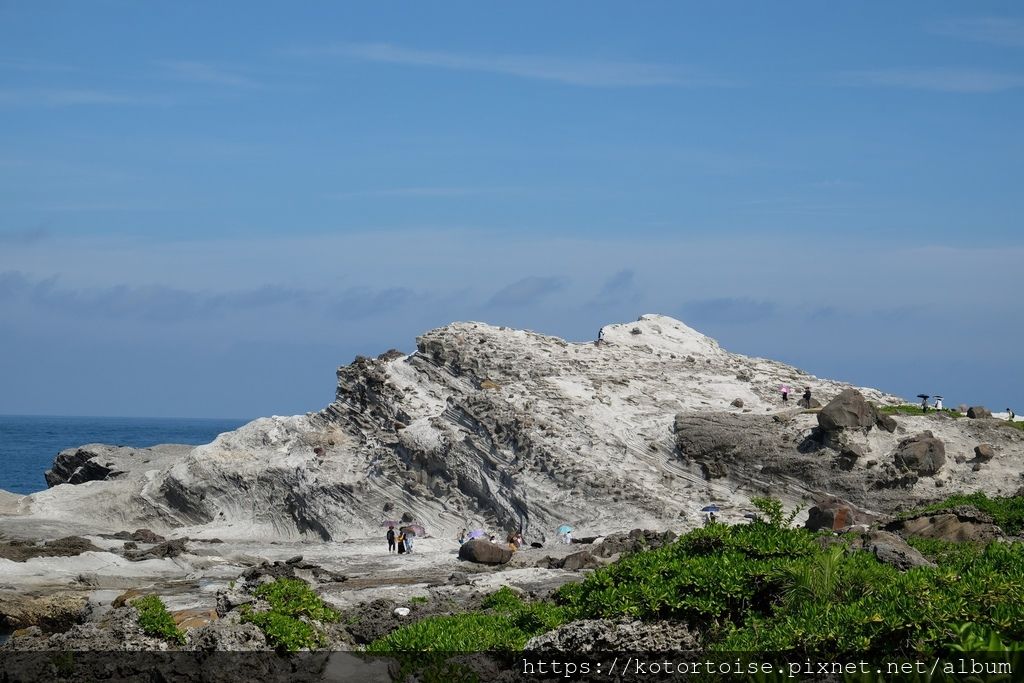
491	427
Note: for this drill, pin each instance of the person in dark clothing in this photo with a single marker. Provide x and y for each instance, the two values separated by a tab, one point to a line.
807	397
391	539
401	543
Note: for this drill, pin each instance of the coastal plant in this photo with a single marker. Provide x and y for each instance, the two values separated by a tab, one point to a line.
295	612
156	621
505	623
772	511
759	587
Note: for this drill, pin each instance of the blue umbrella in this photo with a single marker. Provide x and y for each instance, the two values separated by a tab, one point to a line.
710	508
564	529
476	533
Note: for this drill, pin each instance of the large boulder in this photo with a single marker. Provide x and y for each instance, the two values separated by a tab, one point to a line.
51	613
976	412
924	454
581	560
484	552
717	440
835	514
848	410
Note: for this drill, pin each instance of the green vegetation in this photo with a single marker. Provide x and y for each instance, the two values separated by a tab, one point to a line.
291	621
156	621
505	623
1007	512
909	409
418	600
1014	425
765	587
760	587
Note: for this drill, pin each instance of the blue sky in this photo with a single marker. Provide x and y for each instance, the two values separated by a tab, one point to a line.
205	209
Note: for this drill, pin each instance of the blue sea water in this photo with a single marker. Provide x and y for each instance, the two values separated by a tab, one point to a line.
29	443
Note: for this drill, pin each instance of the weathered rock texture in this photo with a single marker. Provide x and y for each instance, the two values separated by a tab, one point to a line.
485	426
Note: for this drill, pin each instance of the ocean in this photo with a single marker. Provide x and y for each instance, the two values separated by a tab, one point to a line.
29	443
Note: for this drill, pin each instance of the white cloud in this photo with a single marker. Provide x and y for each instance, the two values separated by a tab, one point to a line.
70	97
203	72
1005	31
937	79
583	72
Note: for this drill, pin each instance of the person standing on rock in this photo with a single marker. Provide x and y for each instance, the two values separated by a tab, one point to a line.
807	397
401	543
785	393
462	537
391	539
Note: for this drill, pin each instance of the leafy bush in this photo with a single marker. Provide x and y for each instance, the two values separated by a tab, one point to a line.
156	621
291	621
773	513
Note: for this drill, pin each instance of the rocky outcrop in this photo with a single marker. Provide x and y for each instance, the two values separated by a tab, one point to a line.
50	613
984	452
69	546
634	541
606	635
100	462
977	412
956	525
490	427
923	454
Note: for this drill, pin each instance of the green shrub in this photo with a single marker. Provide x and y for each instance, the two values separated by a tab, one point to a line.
759	587
418	600
156	621
294	609
771	509
506	625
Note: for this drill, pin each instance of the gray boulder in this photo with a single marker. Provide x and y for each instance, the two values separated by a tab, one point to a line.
923	454
956	525
581	560
984	452
976	412
848	410
484	552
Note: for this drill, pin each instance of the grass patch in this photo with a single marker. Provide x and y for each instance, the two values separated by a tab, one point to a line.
1005	511
156	621
418	600
1014	425
505	624
291	622
910	409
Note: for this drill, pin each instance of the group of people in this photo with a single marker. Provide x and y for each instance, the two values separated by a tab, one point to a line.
806	401
399	541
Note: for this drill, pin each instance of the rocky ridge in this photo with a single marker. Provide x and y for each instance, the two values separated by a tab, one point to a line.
490	426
